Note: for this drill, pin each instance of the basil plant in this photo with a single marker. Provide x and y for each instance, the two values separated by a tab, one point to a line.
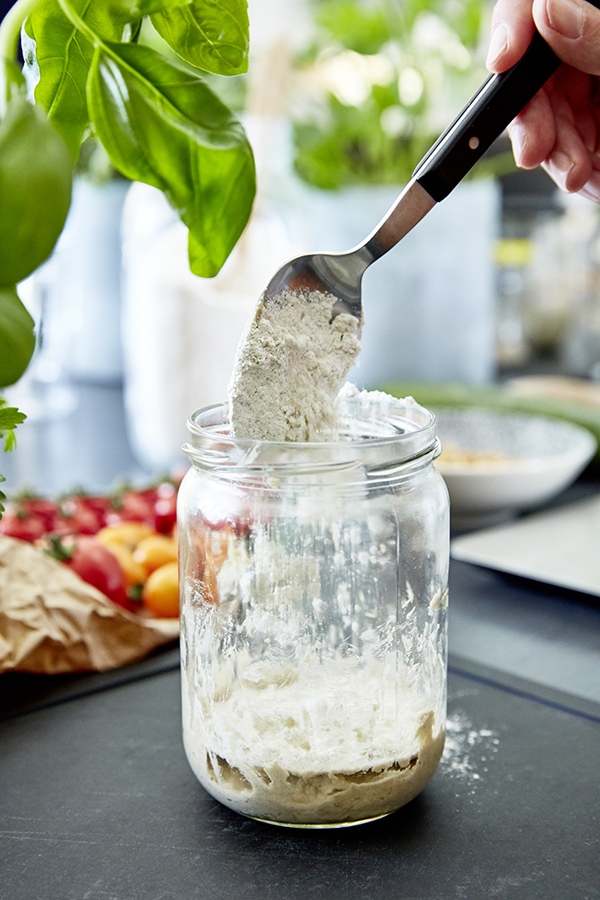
86	72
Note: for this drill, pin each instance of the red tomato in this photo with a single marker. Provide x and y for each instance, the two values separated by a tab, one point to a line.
75	518
165	508
22	525
94	564
96	504
132	506
39	506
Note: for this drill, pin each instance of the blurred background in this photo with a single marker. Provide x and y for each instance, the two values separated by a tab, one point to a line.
342	99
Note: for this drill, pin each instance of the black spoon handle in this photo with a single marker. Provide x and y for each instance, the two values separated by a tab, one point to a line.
484	118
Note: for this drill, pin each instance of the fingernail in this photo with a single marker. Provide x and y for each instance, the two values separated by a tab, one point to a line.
591	190
566	17
518	140
498	43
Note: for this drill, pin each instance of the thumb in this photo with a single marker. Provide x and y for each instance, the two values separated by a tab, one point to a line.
572	28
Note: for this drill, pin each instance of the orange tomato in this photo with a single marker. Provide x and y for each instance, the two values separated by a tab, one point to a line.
160	595
154	551
128	533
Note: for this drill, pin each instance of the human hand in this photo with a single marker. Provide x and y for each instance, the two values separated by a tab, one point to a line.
559	128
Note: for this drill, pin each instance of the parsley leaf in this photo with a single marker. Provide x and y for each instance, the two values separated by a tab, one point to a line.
10	417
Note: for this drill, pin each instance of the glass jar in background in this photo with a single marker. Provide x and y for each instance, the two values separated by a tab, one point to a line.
313	620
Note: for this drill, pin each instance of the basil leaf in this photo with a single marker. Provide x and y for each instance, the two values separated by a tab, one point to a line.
161	124
127	11
210	34
12	80
17	336
35	189
62	54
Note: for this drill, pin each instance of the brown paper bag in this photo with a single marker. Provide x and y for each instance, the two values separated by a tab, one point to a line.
53	622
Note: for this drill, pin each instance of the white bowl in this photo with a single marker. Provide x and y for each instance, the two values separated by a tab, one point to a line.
497	463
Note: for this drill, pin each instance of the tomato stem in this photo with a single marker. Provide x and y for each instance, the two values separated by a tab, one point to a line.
58	550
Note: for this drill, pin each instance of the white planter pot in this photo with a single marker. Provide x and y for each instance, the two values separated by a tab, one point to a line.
86	284
430	302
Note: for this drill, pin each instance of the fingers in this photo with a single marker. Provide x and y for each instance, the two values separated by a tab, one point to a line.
512	28
533	132
559	129
572	28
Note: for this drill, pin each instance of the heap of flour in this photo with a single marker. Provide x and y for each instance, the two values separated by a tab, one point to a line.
290	366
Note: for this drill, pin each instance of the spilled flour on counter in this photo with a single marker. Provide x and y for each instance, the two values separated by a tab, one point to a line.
290	366
468	750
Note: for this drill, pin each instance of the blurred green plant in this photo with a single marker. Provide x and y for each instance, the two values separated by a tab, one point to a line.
380	82
88	74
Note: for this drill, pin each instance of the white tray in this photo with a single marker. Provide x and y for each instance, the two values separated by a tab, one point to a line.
559	546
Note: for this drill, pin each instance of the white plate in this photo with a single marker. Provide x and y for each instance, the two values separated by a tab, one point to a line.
497	463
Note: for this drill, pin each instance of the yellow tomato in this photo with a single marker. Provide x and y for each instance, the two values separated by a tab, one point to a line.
155	551
160	595
135	573
128	533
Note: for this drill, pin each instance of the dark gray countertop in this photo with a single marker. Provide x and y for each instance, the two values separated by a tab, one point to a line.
97	801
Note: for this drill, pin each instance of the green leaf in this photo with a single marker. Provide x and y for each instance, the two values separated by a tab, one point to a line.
17	337
210	34
62	54
12	80
162	125
35	189
128	11
10	417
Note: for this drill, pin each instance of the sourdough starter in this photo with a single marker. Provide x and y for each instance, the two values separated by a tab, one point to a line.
328	743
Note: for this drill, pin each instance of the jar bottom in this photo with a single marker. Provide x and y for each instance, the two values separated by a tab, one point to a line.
322	826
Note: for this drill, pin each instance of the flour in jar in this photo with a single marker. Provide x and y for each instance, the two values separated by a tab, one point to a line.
290	366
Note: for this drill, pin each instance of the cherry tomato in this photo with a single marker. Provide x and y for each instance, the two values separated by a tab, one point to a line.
134	573
127	533
154	551
95	565
161	592
22	525
131	506
165	508
98	505
75	518
39	506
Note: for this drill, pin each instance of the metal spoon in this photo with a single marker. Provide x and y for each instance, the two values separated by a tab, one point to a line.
464	142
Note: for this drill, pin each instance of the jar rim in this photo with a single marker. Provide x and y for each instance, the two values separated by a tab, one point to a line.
377	430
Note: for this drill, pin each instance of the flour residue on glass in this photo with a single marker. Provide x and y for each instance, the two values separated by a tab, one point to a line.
290	366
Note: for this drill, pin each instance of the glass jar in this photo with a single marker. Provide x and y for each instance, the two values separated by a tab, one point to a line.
313	620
